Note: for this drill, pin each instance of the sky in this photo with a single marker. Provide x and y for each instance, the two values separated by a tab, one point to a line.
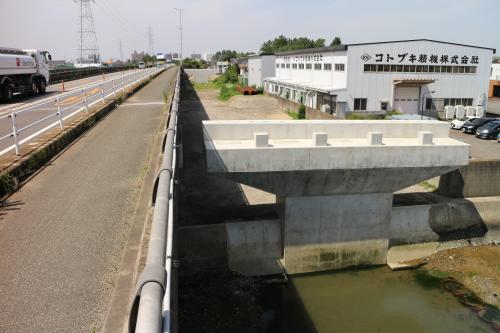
243	25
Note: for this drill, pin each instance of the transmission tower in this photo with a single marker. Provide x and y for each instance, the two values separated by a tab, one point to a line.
88	50
180	28
151	41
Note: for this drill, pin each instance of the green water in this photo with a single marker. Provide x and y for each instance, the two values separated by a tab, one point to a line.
370	300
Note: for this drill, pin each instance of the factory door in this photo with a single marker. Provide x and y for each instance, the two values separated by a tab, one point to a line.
406	99
496	91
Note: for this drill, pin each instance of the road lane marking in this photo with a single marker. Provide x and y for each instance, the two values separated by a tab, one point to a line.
142	104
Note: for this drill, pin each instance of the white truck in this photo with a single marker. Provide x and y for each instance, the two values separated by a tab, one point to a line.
23	71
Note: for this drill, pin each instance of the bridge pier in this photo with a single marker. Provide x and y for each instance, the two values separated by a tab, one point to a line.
335	231
334	180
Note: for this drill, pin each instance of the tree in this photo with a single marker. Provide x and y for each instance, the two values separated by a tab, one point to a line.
336	41
227	55
282	43
231	75
194	63
302	111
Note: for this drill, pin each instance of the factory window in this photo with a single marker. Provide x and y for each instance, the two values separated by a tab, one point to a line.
384	106
277	65
294	66
420	69
397	68
458	101
301	66
282	65
317	67
340	67
287	65
308	66
327	67
360	104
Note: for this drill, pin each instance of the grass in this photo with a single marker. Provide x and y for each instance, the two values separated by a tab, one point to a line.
292	114
428	186
357	116
205	85
227	91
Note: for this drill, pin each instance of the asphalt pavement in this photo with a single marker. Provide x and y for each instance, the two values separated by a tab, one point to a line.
62	235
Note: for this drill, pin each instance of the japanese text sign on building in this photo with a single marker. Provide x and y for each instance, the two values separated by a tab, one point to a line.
304	57
421	58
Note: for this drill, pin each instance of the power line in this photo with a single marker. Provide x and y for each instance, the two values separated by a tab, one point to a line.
121	50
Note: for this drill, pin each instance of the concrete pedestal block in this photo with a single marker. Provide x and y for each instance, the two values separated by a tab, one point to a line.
331	232
261	139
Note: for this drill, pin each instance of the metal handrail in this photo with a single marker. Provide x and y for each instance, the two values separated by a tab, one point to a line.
151	307
132	79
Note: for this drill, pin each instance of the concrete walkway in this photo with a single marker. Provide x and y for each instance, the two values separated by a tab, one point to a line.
63	234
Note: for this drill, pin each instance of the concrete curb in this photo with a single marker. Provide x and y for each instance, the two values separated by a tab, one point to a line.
16	175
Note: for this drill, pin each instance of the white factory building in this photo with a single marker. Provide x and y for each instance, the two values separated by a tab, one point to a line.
409	76
260	67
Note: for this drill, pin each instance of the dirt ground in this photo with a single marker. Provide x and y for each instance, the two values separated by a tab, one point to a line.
476	267
240	107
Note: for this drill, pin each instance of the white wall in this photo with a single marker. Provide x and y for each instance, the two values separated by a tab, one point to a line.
259	68
330	79
378	86
495	72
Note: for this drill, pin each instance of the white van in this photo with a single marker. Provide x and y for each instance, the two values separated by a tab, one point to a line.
142	65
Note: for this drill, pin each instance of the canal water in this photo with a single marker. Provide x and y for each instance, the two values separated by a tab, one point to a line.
366	300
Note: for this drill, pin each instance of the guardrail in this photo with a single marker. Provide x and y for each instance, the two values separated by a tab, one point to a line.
65	74
151	308
66	105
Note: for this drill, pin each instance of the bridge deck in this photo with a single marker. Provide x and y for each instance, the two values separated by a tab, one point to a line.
62	235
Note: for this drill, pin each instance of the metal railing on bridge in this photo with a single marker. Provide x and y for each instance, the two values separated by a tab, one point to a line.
65	106
151	308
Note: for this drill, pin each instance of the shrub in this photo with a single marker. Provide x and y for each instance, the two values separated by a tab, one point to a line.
302	111
227	91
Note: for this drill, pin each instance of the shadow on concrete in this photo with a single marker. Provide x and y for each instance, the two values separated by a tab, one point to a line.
451	218
206	198
9	206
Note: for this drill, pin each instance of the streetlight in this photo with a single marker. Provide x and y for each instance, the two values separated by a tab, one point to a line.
423	95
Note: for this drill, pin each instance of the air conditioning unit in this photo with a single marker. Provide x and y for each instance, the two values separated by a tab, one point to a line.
479	111
470	111
459	111
449	112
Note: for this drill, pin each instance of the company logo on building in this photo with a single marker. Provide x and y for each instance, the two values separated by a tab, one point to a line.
365	57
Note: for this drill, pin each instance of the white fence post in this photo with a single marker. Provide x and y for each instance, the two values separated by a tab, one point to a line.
102	93
84	90
14	132
59	113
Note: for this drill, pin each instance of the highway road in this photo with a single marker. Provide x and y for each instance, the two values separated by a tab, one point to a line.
34	115
62	236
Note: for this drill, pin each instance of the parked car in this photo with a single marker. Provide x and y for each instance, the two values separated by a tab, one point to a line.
489	131
498	138
472	126
458	123
142	65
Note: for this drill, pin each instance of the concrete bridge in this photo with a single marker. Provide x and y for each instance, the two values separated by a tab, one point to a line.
334	180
